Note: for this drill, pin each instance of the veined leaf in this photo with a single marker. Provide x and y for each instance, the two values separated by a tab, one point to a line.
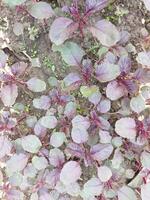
61	29
105	32
41	10
71	53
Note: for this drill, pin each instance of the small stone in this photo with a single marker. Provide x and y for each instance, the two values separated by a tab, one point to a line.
143	21
144	32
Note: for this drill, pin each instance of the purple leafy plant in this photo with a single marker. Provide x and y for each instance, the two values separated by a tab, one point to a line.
64	28
88	135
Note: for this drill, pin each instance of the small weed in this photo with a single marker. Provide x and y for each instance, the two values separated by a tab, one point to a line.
3	24
33	32
94	49
49	64
33	51
120	12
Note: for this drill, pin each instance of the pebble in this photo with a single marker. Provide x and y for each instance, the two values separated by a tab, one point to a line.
144	32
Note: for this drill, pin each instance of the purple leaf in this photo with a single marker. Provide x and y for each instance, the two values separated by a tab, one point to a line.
124	37
72	80
11	123
104	173
31	121
52	177
18	68
41	10
104	106
56	157
126	128
39	130
95	5
71	53
44	195
95	98
61	29
30	171
14	194
79	135
5	146
66	175
75	150
81	121
9	94
57	139
101	152
142	75
70	109
126	193
39	162
107	72
48	121
115	90
36	85
105	32
87	69
131	86
72	189
110	58
16	163
42	103
145	191
103	123
104	137
93	187
125	64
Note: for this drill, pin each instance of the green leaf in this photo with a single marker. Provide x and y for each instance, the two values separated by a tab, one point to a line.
36	85
126	193
71	53
13	3
41	10
88	91
31	143
39	162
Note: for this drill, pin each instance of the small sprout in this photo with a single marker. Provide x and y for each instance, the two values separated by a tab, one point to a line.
49	64
33	32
